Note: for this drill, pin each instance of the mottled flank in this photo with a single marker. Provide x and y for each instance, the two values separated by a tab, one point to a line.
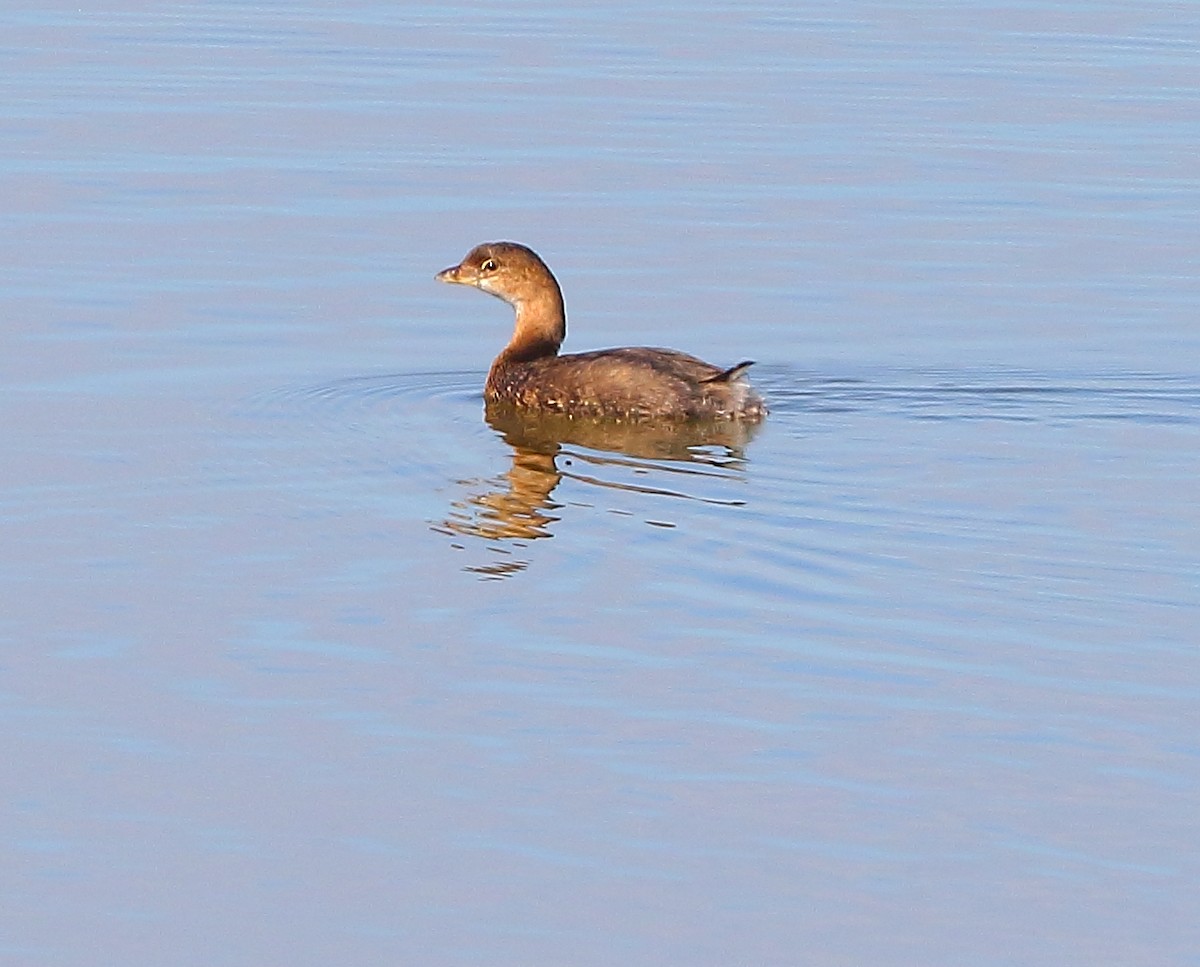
632	383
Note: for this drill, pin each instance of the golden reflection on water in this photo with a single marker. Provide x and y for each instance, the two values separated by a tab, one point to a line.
518	506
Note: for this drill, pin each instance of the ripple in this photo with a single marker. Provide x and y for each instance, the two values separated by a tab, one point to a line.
421	424
367	394
502	483
806	512
1015	489
1033	397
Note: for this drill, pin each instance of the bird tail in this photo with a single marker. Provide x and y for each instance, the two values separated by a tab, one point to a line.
730	374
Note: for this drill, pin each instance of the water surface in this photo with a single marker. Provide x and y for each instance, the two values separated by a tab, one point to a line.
303	661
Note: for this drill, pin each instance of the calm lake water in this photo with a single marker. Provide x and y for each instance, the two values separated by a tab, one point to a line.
303	662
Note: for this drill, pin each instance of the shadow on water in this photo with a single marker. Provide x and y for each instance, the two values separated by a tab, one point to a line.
546	449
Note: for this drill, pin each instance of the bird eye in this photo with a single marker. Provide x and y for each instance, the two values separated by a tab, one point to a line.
488	266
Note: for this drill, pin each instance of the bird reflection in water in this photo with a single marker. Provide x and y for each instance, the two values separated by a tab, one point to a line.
516	507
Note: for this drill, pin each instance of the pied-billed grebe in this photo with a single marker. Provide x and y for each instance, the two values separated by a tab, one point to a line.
634	383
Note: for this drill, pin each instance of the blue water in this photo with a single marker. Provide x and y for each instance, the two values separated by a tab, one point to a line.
303	662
